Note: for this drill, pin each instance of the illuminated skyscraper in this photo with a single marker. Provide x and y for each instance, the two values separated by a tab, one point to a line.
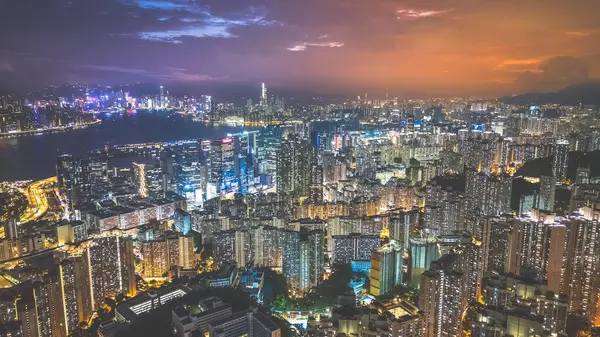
312	259
442	298
581	280
75	283
316	184
295	160
267	246
220	164
11	231
186	252
155	258
263	95
27	315
423	251
70	178
50	306
560	160
303	259
547	193
94	174
291	258
498	245
444	210
245	147
269	142
182	221
112	268
148	180
386	268
489	194
232	246
401	226
353	247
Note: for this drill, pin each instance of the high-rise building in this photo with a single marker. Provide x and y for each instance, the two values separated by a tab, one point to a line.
312	259
528	202
10	249
316	184
498	245
304	259
523	306
581	280
186	252
341	226
442	298
244	160
219	156
148	180
11	231
206	226
159	256
489	194
533	238
263	95
269	142
50	306
444	210
291	258
187	180
547	193
75	283
267	246
560	160
402	225
94	174
182	221
112	268
70	177
27	315
423	251
353	247
386	268
233	246
295	161
583	176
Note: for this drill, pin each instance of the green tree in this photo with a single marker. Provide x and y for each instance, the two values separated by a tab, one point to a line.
280	303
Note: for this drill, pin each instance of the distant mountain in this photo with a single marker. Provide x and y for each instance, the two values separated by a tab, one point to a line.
586	94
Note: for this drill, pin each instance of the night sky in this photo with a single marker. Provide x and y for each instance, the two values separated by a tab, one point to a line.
417	47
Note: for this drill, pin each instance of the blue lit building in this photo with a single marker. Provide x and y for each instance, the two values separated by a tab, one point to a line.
423	251
361	266
183	221
252	283
219	156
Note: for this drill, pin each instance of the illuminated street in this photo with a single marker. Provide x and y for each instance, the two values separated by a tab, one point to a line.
38	199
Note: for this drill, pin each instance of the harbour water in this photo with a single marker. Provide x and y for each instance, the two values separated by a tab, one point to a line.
34	157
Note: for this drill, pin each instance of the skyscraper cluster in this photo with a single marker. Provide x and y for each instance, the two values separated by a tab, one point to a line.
82	276
457	217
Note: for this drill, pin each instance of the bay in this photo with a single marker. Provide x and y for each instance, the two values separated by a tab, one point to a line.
34	157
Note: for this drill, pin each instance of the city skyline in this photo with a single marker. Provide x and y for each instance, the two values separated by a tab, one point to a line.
442	47
261	168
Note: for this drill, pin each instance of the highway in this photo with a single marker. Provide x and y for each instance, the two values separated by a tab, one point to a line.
38	201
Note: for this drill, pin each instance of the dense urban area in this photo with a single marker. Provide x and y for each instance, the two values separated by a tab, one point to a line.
364	217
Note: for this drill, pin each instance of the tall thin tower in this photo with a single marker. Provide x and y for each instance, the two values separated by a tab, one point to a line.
263	95
162	96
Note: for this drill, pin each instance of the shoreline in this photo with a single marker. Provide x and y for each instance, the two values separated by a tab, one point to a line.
48	131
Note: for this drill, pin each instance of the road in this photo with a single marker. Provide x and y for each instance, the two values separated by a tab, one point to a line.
38	201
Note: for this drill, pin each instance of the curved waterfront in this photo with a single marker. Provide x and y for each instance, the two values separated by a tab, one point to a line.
34	157
37	132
